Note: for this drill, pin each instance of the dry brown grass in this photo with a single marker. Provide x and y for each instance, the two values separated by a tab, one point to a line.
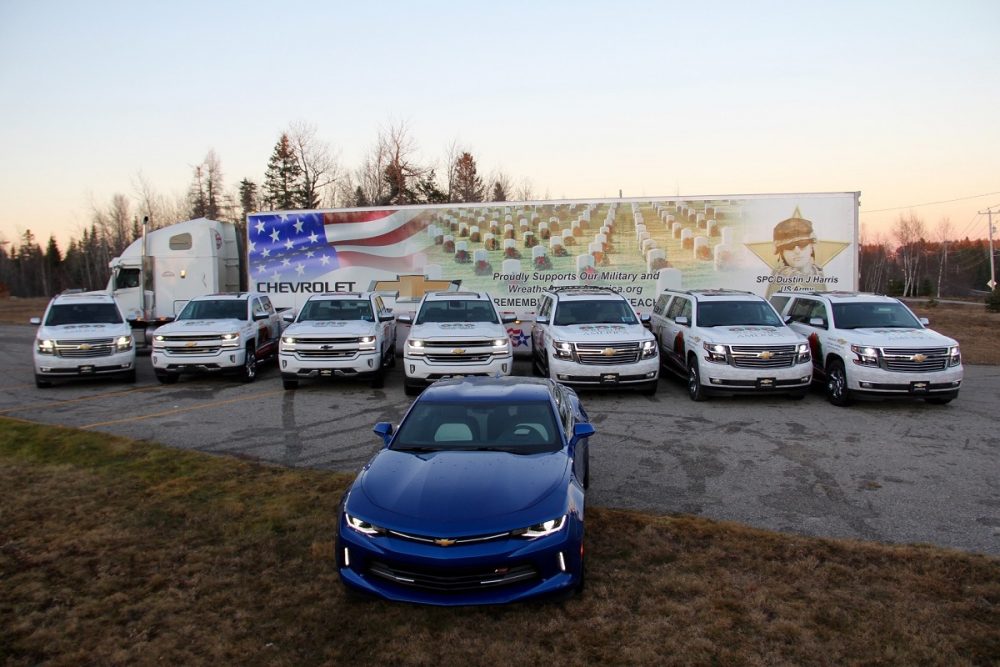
115	552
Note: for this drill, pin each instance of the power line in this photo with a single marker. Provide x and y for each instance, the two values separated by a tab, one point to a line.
930	203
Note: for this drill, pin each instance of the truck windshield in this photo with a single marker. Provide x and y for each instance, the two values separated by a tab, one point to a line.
737	313
528	427
874	316
223	309
337	310
83	313
459	310
594	312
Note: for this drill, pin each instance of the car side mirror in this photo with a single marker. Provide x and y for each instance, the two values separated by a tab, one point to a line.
288	316
645	320
405	319
386	318
35	320
581	431
787	319
384	429
508	319
817	322
926	322
681	319
259	316
541	320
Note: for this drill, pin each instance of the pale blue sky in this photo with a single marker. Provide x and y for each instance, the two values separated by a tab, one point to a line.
899	100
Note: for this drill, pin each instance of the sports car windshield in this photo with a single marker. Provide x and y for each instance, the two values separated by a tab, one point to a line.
337	310
459	310
223	309
594	312
737	313
874	316
519	428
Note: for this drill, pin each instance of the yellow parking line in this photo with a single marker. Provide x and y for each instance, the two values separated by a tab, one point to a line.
92	397
176	411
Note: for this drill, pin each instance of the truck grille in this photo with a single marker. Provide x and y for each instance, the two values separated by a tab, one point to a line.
477	351
607	354
340	340
85	349
914	360
762	356
452	580
198	349
191	338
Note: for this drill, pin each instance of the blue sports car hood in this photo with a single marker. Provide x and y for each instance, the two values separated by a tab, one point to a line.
459	489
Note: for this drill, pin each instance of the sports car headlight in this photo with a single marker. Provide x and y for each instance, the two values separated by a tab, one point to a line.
230	340
866	356
363	526
366	343
954	356
716	353
46	346
563	350
648	349
415	347
544	528
123	343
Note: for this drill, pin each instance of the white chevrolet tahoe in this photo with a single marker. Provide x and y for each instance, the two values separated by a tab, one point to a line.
218	333
591	336
455	333
346	334
872	345
725	341
83	334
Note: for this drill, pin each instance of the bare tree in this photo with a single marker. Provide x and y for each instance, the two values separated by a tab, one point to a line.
525	192
908	232
943	234
320	170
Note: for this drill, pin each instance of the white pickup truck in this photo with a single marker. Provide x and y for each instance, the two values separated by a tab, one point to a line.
345	334
872	345
218	333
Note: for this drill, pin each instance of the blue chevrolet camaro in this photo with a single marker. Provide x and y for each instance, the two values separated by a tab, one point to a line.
477	498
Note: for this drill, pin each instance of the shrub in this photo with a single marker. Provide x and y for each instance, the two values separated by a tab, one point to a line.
993	301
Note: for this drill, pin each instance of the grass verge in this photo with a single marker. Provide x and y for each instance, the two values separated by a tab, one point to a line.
122	552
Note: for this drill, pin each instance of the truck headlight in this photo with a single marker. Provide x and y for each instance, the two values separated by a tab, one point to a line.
803	353
230	340
46	346
954	356
715	353
501	345
287	344
563	350
648	349
415	347
366	343
124	343
866	356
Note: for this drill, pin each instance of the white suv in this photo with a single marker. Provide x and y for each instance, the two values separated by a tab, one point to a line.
83	334
455	333
868	344
725	341
591	336
347	334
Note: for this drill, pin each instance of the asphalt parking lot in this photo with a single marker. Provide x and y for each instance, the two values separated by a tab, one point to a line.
893	471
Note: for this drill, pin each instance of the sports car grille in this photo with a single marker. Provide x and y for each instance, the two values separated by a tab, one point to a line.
452	580
607	354
762	356
905	360
85	349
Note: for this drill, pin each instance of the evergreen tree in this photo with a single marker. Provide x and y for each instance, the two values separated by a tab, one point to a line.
428	191
283	179
468	185
359	197
52	268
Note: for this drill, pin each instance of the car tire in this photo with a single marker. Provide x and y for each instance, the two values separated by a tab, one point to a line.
411	389
696	390
378	377
651	388
41	382
836	384
289	383
129	377
166	378
392	355
248	373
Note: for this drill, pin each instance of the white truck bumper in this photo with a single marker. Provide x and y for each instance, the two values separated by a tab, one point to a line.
866	379
724	377
363	362
49	365
573	373
224	360
419	369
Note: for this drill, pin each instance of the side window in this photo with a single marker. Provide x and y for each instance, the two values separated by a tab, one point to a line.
258	308
546	309
675	308
266	304
685	309
661	304
779	303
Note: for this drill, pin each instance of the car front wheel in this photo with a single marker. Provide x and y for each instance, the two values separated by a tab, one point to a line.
836	384
249	371
696	390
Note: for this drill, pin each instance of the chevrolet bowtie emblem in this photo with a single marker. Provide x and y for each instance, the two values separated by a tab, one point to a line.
457	350
608	352
444	542
84	346
192	344
919	358
765	355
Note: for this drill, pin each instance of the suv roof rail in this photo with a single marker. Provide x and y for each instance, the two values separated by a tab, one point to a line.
825	293
581	289
719	290
450	293
340	294
73	290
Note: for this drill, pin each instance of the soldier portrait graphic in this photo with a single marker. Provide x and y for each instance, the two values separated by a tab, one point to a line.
795	247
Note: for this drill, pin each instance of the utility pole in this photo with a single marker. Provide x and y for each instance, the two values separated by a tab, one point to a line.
992	284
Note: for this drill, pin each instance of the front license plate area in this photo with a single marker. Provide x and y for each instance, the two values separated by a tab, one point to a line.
765	383
919	387
326	373
609	378
86	370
